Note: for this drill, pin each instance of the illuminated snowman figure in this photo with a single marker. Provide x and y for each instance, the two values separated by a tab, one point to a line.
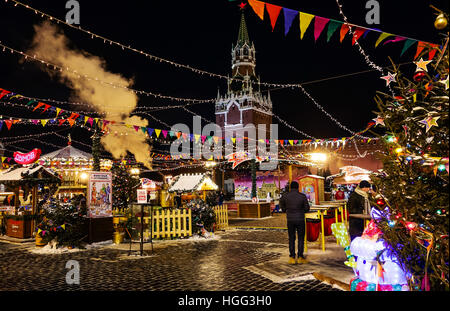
376	269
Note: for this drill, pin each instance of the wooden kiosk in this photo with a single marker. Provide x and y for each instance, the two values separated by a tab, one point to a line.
27	178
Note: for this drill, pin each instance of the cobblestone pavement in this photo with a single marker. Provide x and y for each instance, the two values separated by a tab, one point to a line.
224	263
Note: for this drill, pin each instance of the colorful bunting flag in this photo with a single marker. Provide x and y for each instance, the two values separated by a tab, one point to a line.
383	36
289	16
38	106
274	12
8	123
407	45
44	122
396	39
344	29
305	20
158	132
150	131
332	26
3	93
58	111
45	108
357	33
258	7
319	25
420	46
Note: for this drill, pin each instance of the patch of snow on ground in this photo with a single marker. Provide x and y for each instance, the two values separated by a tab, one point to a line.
52	249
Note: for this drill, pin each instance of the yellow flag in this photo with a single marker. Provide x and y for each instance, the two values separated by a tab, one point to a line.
383	36
197	137
233	139
305	20
157	131
44	122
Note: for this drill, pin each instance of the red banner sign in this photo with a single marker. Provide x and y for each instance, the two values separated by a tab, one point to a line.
27	158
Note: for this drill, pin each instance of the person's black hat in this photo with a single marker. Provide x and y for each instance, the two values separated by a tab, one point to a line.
364	184
294	185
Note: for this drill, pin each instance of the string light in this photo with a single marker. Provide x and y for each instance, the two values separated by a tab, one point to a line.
361	50
109	84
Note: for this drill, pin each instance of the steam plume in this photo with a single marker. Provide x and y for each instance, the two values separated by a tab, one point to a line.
116	104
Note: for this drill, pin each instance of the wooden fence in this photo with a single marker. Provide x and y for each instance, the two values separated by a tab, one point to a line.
171	223
221	217
177	223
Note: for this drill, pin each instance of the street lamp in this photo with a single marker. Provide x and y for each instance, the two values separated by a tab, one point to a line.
210	164
318	157
134	171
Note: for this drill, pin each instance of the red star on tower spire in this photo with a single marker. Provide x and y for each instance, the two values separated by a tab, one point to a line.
242	5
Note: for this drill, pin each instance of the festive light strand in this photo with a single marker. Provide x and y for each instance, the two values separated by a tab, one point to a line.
360	49
109	84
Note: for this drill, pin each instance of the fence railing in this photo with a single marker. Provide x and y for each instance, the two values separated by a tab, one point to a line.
170	223
221	212
177	223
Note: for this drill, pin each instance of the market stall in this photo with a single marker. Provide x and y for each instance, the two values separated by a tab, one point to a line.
192	186
25	180
347	180
73	165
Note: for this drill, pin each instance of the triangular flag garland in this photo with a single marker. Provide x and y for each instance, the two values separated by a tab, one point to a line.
333	25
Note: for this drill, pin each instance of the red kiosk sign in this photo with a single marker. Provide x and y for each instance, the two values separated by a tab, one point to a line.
27	158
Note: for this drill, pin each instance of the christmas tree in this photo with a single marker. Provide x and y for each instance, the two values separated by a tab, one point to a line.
124	187
414	181
64	222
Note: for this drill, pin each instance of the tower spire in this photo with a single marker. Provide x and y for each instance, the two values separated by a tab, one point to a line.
243	32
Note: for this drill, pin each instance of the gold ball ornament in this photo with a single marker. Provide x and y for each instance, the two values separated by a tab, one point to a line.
440	22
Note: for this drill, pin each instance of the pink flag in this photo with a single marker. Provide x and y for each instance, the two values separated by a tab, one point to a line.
319	25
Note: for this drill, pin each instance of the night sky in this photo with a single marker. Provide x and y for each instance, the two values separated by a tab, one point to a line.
200	34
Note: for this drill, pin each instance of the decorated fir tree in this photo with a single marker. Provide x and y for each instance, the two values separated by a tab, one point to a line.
414	181
96	150
64	222
124	187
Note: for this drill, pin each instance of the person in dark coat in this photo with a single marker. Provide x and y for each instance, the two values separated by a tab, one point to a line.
358	203
221	198
296	205
177	200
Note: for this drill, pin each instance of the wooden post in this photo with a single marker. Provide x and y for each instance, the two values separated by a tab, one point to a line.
33	207
279	183
323	231
290	176
305	246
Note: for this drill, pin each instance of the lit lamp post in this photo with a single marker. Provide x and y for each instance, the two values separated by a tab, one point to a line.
210	165
319	158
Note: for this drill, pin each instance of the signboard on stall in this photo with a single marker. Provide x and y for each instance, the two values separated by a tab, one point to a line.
99	194
27	158
142	196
